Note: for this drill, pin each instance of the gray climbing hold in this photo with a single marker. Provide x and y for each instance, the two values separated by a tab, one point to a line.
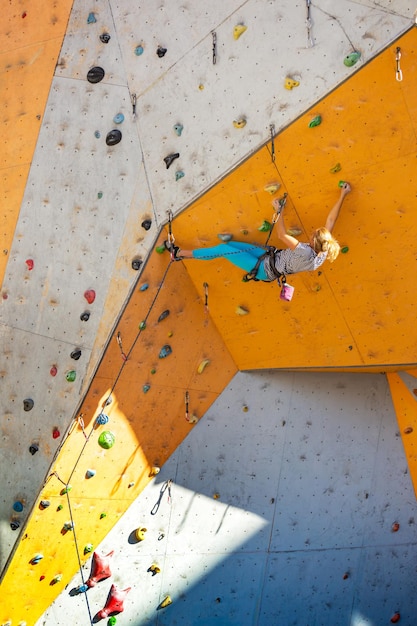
225	237
163	315
44	504
97	134
113	137
28	404
95	74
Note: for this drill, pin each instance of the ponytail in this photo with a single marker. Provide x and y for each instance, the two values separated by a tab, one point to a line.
324	242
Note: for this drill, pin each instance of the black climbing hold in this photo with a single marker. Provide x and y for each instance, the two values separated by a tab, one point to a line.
28	404
95	74
170	158
146	224
33	448
75	354
44	504
84	317
161	52
105	38
113	137
14	525
163	315
136	263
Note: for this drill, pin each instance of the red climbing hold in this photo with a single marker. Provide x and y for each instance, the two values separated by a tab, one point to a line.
100	568
90	295
53	371
30	264
56	433
114	602
395	618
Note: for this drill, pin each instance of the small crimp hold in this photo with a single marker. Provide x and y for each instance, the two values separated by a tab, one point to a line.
335	169
178	128
165	351
316	121
104	37
240	123
161	52
178	175
290	83
238	30
136	264
170	159
272	188
139	50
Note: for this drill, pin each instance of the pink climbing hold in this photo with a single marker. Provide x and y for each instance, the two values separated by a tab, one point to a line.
90	295
100	568
30	264
114	602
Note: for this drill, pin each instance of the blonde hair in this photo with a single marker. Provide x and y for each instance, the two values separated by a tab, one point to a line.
323	241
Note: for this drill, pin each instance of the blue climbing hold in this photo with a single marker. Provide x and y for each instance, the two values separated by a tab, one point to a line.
138	50
178	175
18	507
97	134
178	128
102	419
143	287
165	351
91	19
119	118
146	388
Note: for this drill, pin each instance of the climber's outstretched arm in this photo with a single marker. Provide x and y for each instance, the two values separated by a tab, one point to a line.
334	213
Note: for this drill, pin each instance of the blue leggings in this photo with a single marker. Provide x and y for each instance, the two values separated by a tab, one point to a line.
243	255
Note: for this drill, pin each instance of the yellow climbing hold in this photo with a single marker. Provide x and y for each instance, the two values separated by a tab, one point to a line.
272	188
140	533
238	30
202	366
166	602
335	169
294	232
241	123
290	83
155	569
154	471
240	310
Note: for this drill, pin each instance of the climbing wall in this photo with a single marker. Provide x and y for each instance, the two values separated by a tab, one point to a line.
356	312
176	87
290	503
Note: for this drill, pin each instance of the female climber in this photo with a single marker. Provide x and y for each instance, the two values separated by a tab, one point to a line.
274	263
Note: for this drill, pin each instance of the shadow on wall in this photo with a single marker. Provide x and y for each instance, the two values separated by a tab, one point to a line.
280	511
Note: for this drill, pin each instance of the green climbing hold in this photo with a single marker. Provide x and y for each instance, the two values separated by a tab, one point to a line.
160	249
88	548
71	376
146	388
341	183
65	490
103	515
100	195
344	249
265	227
112	621
316	121
142	325
352	58
178	175
106	439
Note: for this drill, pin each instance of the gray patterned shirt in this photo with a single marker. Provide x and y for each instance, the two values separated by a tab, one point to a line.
302	259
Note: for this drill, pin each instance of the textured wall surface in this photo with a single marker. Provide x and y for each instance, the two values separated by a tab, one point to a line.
81	214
